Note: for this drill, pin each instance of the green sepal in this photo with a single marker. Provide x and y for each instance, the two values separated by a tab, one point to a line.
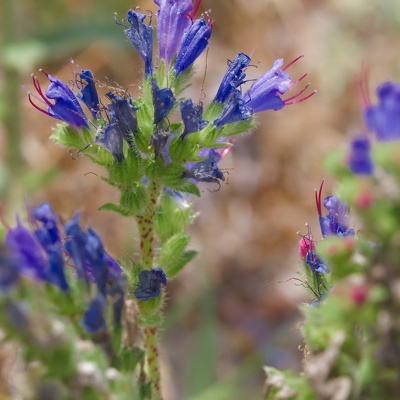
386	154
149	311
180	263
237	128
116	208
64	135
134	198
171	251
184	150
129	358
213	111
145	118
170	219
130	170
180	82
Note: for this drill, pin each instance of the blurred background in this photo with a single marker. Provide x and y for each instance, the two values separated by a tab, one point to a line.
233	309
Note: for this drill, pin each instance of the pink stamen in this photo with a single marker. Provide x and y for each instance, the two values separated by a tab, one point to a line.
297	94
294	83
210	21
36	84
292	62
318	197
289	103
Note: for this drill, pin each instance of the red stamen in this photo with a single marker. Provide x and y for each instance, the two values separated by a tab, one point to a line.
37	107
297	94
196	6
210	21
36	84
294	83
292	62
363	87
318	197
289	103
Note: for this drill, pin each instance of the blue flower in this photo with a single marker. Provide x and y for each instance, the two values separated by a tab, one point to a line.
89	94
194	42
316	263
235	110
163	101
265	93
150	283
110	138
360	161
93	319
336	221
207	170
233	78
173	20
66	106
384	118
141	37
191	117
9	273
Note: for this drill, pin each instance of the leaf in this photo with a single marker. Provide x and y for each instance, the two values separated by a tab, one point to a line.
116	208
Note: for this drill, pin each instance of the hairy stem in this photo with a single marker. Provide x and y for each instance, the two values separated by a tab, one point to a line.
150	337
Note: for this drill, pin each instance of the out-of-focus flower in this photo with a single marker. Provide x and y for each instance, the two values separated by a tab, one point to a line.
336	221
359	160
384	117
150	283
93	319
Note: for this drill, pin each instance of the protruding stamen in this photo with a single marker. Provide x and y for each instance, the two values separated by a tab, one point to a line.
36	84
210	21
318	197
300	100
292	62
294	83
297	94
37	107
196	6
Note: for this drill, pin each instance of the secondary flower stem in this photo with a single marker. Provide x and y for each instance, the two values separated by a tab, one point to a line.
150	337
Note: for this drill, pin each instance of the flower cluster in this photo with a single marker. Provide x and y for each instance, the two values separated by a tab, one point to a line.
40	253
382	119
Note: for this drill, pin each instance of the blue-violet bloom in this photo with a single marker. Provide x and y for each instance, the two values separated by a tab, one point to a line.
360	160
150	283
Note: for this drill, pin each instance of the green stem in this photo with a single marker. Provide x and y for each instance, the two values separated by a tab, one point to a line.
150	337
145	223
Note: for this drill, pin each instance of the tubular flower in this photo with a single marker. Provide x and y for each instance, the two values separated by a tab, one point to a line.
235	110
150	283
191	117
360	160
173	20
89	94
384	118
336	221
141	37
233	78
194	42
265	93
66	106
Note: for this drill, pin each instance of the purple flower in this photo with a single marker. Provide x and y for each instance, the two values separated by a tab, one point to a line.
336	221
89	94
316	263
207	170
93	319
110	138
9	273
141	37
235	110
173	20
194	42
233	78
163	102
384	118
150	283
66	106
191	117
265	93
360	161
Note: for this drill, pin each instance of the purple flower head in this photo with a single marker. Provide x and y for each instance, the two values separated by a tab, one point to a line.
35	259
336	222
235	110
207	170
150	283
9	272
265	93
360	161
193	43
173	20
110	138
233	78
93	319
163	101
384	118
89	94
66	106
141	37
316	263
192	117
48	234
